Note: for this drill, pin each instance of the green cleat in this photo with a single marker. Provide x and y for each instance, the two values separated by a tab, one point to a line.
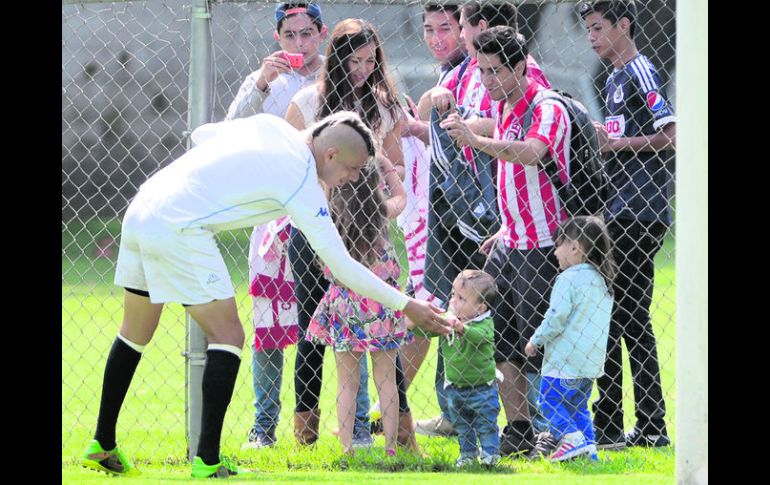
113	461
225	468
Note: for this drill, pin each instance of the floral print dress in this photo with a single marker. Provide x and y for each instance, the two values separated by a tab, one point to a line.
348	321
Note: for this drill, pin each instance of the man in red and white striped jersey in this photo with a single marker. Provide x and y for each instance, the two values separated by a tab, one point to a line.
463	85
521	254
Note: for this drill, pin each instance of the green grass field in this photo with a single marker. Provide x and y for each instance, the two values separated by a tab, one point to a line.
151	429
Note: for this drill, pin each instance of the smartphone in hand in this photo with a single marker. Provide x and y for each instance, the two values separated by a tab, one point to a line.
295	60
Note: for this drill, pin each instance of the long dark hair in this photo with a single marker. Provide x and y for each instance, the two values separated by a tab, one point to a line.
358	211
336	92
591	234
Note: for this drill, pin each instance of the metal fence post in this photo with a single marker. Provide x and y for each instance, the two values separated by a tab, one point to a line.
199	96
692	245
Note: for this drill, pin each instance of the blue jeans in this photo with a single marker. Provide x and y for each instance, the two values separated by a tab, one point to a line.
539	423
267	374
361	424
565	405
473	411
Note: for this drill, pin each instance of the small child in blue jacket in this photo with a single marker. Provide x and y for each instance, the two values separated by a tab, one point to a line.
574	333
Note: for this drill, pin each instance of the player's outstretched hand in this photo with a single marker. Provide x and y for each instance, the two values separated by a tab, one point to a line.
458	326
427	316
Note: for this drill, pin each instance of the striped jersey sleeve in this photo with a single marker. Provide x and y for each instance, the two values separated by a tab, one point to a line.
551	125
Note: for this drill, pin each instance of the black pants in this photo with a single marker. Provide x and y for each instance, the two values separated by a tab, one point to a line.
635	245
309	288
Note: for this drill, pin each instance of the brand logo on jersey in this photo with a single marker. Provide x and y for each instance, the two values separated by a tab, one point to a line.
655	101
322	212
513	132
479	209
618	96
615	126
213	278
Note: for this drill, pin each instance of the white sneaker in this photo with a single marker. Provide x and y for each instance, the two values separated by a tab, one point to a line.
259	440
571	446
490	461
437	426
464	461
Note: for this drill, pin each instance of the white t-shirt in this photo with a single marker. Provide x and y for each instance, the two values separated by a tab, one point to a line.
275	101
308	101
250	171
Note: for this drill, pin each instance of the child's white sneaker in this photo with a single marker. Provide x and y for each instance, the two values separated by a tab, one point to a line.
571	446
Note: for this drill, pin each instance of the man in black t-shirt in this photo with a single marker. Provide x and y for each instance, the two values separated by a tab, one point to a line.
639	127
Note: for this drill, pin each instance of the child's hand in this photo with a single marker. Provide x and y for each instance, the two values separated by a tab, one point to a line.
458	326
530	350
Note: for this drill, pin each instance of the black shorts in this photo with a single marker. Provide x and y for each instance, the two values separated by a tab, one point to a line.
524	281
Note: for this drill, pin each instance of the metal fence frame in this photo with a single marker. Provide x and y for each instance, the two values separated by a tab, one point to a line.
200	96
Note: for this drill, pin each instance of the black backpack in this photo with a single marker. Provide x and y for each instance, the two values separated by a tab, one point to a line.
586	192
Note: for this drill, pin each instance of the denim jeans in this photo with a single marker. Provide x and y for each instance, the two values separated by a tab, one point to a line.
473	411
565	405
267	373
539	423
361	424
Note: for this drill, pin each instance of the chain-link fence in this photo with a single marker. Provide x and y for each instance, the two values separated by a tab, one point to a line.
124	116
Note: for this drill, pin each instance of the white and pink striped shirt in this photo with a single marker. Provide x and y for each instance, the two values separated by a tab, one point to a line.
529	204
470	93
413	220
272	286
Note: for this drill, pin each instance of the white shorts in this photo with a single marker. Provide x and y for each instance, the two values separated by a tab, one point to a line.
171	266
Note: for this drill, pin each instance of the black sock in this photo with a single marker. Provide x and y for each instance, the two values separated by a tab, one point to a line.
118	372
218	382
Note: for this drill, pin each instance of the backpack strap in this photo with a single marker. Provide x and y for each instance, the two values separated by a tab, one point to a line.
549	164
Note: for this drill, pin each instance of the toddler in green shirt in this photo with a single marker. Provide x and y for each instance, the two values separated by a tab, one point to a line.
469	361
